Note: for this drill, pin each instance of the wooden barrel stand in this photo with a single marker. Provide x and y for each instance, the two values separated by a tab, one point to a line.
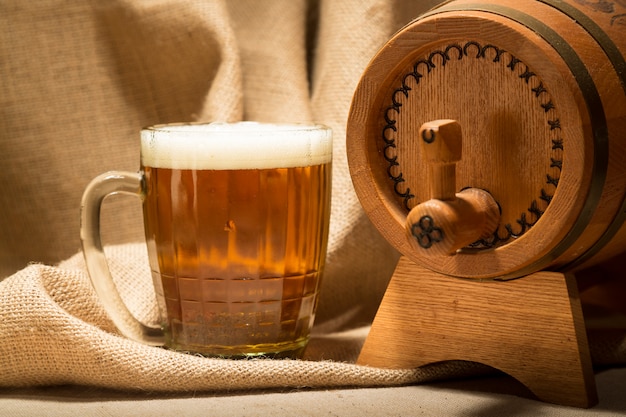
530	328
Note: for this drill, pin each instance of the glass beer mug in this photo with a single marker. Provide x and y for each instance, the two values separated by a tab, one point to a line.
236	223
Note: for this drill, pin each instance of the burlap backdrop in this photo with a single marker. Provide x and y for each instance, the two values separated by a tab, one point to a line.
79	79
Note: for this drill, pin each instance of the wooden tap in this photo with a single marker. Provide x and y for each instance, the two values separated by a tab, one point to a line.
448	221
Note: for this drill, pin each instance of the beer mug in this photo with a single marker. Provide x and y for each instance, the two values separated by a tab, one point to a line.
236	223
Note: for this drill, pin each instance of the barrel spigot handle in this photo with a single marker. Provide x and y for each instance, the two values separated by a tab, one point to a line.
448	221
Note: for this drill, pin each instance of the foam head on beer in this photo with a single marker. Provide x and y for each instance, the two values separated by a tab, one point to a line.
242	145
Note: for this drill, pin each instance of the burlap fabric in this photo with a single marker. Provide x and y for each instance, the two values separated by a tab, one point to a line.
78	79
55	332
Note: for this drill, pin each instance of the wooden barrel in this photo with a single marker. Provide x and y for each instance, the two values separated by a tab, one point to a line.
538	89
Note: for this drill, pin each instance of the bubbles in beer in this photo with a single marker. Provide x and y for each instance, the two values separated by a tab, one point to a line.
229	226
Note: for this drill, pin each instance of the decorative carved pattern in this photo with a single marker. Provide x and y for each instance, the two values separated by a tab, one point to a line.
608	7
426	232
422	68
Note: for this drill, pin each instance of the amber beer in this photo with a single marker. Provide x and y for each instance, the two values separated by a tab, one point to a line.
236	219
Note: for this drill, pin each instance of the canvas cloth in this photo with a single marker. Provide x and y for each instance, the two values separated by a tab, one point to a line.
78	79
55	332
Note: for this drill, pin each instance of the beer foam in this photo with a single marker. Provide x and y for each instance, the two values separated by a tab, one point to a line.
242	145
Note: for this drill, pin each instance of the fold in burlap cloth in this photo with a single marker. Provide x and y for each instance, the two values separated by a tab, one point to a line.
54	331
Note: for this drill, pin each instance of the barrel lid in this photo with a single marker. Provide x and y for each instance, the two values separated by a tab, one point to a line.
525	141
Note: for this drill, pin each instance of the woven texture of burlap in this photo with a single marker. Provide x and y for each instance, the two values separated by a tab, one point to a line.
56	332
78	79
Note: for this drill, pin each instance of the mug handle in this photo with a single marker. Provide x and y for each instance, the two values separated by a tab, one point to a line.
108	183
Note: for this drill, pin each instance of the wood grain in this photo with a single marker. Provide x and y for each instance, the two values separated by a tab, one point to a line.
531	328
